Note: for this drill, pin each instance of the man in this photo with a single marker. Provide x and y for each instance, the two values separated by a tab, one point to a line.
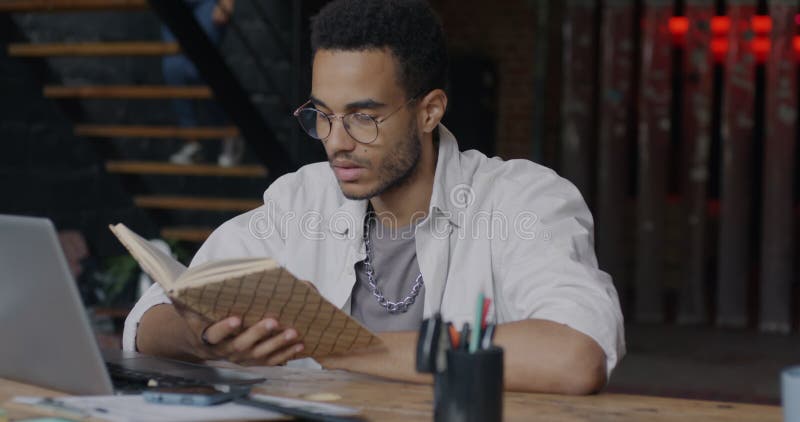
459	223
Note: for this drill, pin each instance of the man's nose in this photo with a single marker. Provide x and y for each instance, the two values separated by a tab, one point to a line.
339	139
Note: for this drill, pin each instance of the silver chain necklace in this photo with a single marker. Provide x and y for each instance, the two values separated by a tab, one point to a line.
392	307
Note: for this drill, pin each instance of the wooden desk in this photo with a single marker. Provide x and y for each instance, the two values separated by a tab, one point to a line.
383	400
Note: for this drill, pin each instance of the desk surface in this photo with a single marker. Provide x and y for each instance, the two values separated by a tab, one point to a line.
394	401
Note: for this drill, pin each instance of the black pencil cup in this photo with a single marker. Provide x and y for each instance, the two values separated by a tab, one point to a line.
471	388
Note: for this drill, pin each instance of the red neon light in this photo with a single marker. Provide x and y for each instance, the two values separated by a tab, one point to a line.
796	43
797	19
720	25
761	24
760	47
678	25
719	48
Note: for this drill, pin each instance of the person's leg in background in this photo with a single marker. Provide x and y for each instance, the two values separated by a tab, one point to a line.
179	71
212	16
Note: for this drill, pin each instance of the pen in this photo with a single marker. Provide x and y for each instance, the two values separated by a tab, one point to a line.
428	344
488	336
61	407
301	412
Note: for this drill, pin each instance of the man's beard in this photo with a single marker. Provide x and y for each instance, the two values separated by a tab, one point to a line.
400	165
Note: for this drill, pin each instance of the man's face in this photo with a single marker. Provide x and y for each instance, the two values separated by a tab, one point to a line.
366	82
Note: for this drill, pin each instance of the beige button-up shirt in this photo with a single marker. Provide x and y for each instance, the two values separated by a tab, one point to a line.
513	230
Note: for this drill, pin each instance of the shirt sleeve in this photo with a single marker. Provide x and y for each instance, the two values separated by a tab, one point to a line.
153	296
549	268
252	234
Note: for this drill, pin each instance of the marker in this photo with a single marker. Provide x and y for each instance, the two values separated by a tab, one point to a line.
486	304
476	333
453	334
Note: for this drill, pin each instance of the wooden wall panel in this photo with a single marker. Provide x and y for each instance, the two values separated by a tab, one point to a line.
578	131
694	169
735	244
617	102
653	160
778	222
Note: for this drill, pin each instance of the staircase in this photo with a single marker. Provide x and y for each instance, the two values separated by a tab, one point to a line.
186	201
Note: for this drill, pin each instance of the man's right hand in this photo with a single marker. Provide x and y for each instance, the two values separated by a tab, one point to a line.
263	343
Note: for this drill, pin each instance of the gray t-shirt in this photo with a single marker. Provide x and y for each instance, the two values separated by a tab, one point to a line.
394	263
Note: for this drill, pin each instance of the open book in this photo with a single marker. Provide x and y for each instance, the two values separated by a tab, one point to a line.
253	289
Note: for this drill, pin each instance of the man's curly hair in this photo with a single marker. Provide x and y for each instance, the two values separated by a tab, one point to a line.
410	29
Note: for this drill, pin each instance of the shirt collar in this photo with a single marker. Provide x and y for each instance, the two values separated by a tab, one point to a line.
450	193
349	217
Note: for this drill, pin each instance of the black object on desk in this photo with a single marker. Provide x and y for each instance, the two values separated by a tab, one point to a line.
467	386
471	389
428	342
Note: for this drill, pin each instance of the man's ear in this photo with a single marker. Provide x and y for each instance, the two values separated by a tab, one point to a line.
431	108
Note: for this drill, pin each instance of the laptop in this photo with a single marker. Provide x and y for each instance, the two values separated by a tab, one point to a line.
45	335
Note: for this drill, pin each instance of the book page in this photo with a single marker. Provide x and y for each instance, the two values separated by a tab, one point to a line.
207	272
163	268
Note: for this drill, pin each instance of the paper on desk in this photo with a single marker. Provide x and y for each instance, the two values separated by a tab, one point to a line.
135	408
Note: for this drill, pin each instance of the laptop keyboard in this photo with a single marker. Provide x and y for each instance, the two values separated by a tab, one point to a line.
129	380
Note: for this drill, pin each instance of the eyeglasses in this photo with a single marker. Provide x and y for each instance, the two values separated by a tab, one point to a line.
363	128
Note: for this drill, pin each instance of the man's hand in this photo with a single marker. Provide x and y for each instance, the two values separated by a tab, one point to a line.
264	343
170	331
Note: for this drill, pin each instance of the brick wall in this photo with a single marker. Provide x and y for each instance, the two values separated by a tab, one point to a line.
504	32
